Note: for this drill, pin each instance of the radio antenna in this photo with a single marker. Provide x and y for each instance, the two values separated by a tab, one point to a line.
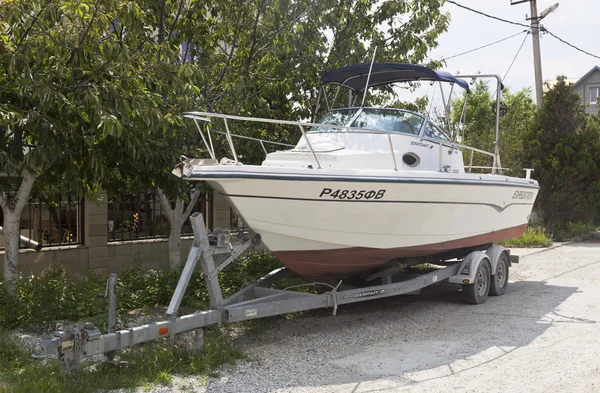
368	78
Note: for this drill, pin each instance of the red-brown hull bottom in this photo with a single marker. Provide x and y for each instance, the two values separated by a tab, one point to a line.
340	263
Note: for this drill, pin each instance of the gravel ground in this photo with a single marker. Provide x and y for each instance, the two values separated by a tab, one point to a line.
540	336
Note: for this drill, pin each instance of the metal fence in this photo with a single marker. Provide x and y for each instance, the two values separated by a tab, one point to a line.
51	223
236	223
141	216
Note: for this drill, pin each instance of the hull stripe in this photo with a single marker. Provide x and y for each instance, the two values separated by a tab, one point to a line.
499	209
269	176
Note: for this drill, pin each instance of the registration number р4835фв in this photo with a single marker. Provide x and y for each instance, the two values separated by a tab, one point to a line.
351	194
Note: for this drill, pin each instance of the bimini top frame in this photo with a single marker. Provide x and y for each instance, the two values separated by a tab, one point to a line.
355	77
359	77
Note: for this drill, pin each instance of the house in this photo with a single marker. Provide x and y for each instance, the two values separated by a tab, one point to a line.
588	88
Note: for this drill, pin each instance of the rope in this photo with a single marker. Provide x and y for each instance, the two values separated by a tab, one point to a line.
333	294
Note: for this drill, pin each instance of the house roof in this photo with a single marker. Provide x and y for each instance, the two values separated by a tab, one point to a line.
549	83
596	68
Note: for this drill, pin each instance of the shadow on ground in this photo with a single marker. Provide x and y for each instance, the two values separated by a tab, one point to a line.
405	339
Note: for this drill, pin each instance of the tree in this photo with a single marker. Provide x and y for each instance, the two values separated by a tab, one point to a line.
92	91
265	59
565	147
479	128
77	89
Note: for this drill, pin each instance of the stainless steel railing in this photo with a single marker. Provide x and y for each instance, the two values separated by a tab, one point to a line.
206	117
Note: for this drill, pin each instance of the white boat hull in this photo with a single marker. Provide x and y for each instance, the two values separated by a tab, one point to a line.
334	223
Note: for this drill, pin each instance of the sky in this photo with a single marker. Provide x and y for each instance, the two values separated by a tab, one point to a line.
575	21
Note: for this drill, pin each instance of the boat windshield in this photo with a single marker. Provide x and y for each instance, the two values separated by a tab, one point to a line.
337	117
379	119
394	120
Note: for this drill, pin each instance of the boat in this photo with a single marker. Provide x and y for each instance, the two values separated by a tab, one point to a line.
366	187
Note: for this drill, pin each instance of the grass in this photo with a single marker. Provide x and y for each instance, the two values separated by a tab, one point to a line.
537	236
422	268
43	301
534	236
155	364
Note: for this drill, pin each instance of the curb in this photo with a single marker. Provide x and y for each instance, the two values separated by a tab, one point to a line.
552	247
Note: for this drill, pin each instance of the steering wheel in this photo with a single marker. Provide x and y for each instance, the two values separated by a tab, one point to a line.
503	108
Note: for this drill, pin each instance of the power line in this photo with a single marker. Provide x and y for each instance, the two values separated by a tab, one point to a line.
569	44
485	46
515	58
523	25
487	15
513	61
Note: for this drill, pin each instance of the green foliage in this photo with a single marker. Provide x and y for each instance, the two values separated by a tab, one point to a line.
534	236
94	91
71	87
139	288
565	147
54	296
571	230
49	297
480	125
156	364
42	300
12	355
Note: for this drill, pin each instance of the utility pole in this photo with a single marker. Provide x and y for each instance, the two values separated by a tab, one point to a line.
537	60
535	34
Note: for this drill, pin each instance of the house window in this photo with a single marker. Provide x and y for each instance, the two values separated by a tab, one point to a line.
594	93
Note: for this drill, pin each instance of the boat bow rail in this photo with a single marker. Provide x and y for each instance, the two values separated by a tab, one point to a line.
207	117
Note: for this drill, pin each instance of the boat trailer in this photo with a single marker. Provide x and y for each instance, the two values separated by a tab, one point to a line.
259	299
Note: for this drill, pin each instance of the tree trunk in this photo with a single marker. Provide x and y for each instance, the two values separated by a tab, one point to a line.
175	246
11	229
12	209
176	219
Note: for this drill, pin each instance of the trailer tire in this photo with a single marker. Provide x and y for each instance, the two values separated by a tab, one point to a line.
499	281
477	292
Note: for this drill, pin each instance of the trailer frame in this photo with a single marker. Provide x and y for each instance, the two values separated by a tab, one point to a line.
257	300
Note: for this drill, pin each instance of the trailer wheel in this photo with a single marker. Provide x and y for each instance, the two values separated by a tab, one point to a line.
500	279
477	292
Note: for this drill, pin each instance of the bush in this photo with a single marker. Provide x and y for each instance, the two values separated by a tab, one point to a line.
534	236
156	363
565	148
49	297
567	231
54	296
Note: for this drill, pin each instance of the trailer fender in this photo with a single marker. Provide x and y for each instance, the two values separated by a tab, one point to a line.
494	253
468	267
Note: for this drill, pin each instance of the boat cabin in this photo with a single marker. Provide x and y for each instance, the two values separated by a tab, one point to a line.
354	136
359	137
